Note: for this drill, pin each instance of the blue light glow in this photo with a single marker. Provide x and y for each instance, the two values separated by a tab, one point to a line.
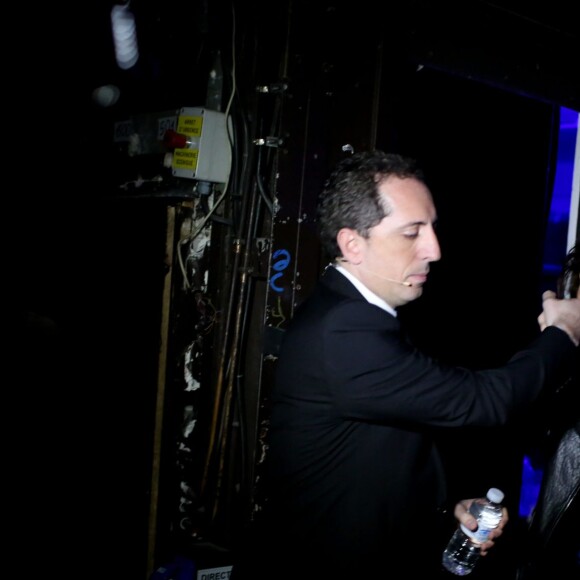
555	248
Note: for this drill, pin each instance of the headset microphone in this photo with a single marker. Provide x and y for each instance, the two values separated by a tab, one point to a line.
391	280
379	276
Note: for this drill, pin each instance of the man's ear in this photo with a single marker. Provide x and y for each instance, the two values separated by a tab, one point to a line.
348	241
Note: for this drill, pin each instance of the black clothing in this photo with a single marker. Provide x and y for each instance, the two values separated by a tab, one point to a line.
552	540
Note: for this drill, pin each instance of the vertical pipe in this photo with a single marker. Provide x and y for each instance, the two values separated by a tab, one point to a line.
160	400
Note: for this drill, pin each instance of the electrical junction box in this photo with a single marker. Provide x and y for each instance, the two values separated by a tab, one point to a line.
207	155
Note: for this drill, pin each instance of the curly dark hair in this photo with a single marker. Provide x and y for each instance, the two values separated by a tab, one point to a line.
569	279
350	197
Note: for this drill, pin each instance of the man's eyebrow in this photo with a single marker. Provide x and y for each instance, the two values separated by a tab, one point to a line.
413	224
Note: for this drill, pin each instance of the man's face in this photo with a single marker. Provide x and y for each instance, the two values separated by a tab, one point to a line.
395	258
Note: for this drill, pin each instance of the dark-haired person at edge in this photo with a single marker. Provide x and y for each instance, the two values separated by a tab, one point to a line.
353	484
552	540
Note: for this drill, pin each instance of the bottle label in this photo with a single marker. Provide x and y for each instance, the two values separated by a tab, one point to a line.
479	536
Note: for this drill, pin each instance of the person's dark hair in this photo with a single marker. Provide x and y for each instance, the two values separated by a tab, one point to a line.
569	279
350	197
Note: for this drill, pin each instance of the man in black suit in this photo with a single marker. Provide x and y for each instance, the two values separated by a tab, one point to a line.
354	483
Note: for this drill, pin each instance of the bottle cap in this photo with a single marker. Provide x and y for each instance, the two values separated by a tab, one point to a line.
495	495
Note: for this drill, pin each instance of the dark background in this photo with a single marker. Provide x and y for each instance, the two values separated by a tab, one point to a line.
471	89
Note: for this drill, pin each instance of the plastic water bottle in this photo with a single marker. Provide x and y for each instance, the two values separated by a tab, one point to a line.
463	550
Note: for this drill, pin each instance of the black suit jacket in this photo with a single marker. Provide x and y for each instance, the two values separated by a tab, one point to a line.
353	477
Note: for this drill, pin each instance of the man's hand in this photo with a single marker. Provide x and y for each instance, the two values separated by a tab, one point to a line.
462	514
565	314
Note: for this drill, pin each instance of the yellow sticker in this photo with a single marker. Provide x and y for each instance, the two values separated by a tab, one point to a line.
190	125
185	159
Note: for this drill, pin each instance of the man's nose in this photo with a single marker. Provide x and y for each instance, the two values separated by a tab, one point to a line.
431	250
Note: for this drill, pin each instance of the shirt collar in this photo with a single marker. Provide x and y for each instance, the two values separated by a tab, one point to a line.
370	296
